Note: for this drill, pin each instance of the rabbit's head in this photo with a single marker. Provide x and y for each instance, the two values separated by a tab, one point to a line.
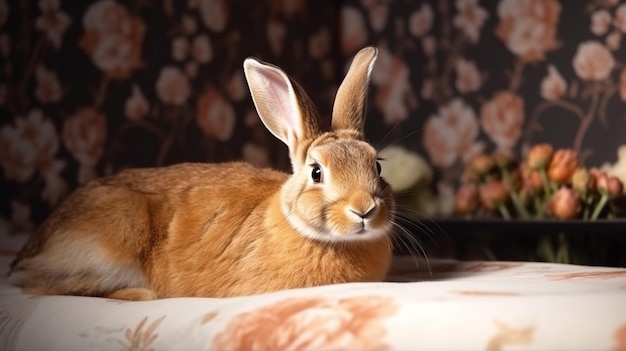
336	193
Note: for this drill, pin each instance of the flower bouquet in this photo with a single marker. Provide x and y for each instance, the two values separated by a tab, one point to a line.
545	197
547	184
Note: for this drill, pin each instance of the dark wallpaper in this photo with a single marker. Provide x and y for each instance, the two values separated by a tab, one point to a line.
88	88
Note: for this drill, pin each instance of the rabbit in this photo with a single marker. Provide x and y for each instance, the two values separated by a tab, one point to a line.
229	229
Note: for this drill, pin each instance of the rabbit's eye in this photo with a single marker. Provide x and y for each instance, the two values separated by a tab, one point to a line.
316	174
378	168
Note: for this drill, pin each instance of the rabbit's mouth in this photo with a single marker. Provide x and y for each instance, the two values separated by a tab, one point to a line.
362	232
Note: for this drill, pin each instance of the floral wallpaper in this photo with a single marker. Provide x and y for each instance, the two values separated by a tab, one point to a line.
89	88
459	77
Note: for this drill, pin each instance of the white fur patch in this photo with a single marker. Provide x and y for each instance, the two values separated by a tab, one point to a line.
71	260
335	237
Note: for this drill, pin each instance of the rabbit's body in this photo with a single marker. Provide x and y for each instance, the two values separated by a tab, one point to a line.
226	229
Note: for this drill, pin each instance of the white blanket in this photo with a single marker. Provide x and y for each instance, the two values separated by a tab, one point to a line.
456	306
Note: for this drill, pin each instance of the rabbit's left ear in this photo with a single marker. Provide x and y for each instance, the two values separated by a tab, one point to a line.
282	104
351	99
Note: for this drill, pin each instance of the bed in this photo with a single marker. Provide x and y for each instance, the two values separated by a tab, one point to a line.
436	305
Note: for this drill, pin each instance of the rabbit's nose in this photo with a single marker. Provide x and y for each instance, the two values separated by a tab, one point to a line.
362	204
365	215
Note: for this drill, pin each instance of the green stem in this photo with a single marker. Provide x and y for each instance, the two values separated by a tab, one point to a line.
519	207
545	249
504	212
538	207
586	200
599	207
546	183
562	255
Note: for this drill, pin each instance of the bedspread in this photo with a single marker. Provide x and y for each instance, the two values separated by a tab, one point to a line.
439	305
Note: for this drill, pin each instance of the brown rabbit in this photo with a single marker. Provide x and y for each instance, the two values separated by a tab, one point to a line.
229	229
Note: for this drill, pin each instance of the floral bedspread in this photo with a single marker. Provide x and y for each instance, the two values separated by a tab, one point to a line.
444	304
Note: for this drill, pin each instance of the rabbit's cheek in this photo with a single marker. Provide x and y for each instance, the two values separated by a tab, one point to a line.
382	219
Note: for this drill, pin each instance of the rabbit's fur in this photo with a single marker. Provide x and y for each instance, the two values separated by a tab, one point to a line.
229	229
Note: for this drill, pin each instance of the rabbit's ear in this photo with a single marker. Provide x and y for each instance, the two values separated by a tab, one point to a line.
351	99
282	104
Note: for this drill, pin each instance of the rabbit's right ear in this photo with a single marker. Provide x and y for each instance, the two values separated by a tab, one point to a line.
283	106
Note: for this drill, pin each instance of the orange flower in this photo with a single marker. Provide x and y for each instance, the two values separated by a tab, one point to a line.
493	193
610	185
563	165
215	115
504	160
309	323
535	181
466	199
529	28
539	156
565	204
480	166
502	118
594	175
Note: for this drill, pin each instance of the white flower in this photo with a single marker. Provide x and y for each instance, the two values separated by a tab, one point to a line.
620	18
618	169
403	169
553	86
470	18
172	86
467	76
600	22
